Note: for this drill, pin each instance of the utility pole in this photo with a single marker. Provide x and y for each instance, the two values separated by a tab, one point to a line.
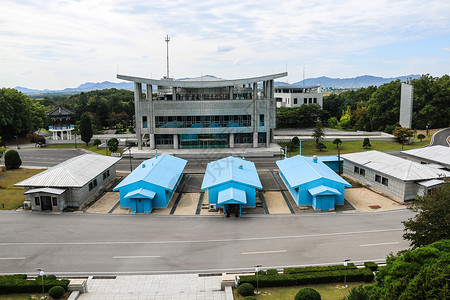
167	41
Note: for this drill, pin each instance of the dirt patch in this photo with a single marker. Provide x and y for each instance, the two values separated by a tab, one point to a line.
276	203
363	199
105	203
188	204
166	211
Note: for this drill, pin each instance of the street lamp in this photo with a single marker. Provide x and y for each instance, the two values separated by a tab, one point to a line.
17	141
75	140
257	268
41	273
345	274
428	132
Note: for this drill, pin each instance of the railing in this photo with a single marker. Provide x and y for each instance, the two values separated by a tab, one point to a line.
61	127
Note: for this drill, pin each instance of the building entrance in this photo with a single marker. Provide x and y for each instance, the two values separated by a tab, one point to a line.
194	141
46	203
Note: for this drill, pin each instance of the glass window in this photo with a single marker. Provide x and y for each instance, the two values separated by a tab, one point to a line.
315	100
144	121
295	100
54	201
95	182
305	100
385	181
90	186
356	170
107	173
37	200
377	178
362	172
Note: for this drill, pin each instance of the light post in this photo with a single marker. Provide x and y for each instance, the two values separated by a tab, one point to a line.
17	141
428	132
75	140
257	268
106	143
345	274
41	273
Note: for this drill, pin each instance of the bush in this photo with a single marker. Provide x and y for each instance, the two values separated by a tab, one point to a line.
12	160
321	146
371	265
250	298
420	136
307	294
113	145
41	140
319	269
272	272
97	142
14	284
357	293
246	289
57	292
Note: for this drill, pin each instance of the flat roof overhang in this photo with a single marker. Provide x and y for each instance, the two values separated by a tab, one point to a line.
201	84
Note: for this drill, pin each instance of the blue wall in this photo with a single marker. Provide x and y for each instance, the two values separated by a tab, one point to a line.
145	205
250	192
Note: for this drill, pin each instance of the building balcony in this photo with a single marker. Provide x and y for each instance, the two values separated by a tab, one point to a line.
54	128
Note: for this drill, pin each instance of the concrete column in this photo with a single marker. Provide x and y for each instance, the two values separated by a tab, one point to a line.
152	141
137	109
231	138
255	90
255	140
230	88
174	93
175	141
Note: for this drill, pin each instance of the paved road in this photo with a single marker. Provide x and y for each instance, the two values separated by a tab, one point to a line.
125	244
441	137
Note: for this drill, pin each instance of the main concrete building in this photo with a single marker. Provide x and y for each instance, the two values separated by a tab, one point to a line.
205	112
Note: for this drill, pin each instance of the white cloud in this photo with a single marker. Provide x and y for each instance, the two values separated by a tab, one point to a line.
56	44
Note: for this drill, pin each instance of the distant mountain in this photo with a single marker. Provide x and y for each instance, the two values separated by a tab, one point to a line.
356	82
326	82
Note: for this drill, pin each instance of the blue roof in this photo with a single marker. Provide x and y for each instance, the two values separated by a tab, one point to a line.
323	190
231	169
141	193
164	171
232	196
328	158
300	169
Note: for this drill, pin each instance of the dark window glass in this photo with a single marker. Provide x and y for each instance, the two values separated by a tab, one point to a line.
377	178
37	200
95	182
144	121
54	201
90	186
295	100
385	181
356	170
362	172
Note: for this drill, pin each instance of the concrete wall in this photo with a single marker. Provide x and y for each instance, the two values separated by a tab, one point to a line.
288	99
250	192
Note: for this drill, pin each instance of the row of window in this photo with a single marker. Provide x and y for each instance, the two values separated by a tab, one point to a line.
201	121
105	174
37	200
92	184
378	178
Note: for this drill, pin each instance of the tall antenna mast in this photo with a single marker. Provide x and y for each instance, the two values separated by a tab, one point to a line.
167	41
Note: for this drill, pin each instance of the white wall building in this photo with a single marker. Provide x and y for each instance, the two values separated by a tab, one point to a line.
294	96
436	156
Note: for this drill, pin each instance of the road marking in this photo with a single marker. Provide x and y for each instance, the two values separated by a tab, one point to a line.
137	256
264	252
368	245
6	258
206	241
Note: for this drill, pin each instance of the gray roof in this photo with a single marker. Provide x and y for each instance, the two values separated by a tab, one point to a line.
201	83
394	166
75	172
432	182
439	154
60	111
45	190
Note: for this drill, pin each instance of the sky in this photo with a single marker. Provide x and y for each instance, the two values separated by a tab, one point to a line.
47	44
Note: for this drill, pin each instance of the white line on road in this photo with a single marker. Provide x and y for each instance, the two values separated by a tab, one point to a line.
368	245
6	258
206	241
264	252
137	256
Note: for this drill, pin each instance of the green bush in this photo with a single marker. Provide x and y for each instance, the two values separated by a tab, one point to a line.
307	294
272	272
250	298
371	265
319	268
113	145
357	293
57	292
261	272
97	143
246	289
41	140
12	160
12	284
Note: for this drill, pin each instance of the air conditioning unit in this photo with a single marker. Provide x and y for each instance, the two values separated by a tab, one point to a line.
212	207
27	204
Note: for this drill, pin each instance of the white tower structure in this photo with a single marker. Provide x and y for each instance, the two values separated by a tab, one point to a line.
406	104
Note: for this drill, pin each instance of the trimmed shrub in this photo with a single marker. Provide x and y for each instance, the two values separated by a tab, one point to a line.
319	268
371	265
97	142
12	160
357	293
272	272
41	140
14	284
307	294
57	292
261	272
246	289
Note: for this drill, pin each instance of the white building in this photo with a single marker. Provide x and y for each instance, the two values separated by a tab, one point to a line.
294	96
70	183
434	156
397	177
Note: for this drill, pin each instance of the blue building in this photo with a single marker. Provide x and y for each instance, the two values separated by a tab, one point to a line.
231	183
151	184
311	182
332	161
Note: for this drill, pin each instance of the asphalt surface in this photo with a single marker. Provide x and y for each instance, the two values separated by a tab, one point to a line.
440	138
88	244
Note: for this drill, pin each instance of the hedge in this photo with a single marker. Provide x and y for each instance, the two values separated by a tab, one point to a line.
11	284
319	268
353	275
371	265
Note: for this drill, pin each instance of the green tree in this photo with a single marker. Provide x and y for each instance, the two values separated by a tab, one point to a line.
97	142
332	121
15	113
318	133
432	221
345	121
402	134
420	136
366	143
86	128
321	146
337	142
12	160
383	106
113	145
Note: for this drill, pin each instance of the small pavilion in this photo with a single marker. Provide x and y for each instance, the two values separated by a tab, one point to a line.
61	123
231	183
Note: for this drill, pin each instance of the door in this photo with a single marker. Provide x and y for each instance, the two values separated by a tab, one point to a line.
139	206
46	203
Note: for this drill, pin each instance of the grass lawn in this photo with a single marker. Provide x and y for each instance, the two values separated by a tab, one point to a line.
91	148
12	196
309	147
30	296
330	291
